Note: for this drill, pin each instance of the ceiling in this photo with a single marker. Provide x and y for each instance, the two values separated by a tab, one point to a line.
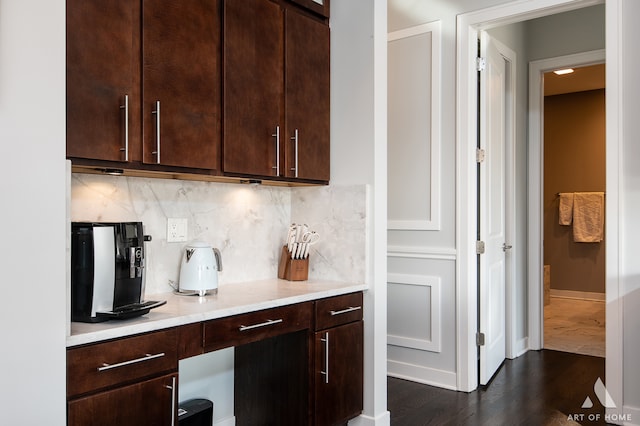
584	78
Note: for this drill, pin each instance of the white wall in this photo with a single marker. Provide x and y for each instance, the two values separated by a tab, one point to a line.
429	256
358	155
580	30
32	140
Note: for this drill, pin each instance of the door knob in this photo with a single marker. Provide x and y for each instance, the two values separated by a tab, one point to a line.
506	247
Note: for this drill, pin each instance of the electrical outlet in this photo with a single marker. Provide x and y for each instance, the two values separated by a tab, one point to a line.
176	230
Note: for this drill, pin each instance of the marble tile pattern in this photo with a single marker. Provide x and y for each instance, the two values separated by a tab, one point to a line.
247	223
340	219
577	326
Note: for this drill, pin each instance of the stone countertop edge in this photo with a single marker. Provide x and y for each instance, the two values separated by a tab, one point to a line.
231	299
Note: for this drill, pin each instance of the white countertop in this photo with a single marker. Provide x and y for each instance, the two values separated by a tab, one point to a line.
231	299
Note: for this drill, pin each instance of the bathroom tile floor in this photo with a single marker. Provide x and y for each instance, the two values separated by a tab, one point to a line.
577	326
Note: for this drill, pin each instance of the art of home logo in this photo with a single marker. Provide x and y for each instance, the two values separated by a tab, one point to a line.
606	401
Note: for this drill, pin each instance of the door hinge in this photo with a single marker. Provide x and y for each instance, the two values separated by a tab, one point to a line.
481	64
479	339
479	247
480	154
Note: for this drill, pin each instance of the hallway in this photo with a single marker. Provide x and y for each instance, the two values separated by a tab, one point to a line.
539	388
577	326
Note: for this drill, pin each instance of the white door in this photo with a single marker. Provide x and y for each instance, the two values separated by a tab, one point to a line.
491	212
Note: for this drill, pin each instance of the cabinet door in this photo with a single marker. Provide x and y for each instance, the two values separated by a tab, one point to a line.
151	403
338	374
181	73
102	71
253	87
307	97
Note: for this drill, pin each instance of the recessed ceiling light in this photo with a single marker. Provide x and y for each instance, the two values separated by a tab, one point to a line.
564	71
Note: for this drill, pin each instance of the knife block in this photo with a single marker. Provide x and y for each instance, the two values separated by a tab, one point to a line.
292	269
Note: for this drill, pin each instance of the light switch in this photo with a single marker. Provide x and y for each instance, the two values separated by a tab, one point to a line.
176	230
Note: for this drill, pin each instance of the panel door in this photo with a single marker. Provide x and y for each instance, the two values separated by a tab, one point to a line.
181	72
151	403
492	210
338	373
103	94
307	97
253	88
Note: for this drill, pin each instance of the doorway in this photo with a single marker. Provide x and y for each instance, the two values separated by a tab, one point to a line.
469	25
573	111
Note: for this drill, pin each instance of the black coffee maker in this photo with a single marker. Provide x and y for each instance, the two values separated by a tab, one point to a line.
108	271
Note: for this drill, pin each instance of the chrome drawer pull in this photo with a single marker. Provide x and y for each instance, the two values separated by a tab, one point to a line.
157	113
262	324
325	373
146	357
174	392
344	311
277	136
125	107
295	140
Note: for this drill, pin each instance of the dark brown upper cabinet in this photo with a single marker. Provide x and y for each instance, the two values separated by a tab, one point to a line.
253	86
181	82
307	86
103	80
276	92
144	83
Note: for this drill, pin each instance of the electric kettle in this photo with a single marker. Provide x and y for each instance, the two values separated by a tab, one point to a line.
199	269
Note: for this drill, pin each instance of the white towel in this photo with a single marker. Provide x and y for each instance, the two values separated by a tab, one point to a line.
566	208
588	217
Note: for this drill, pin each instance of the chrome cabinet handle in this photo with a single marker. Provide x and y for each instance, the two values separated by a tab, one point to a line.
173	390
262	324
294	138
146	357
126	127
157	113
344	311
325	373
277	136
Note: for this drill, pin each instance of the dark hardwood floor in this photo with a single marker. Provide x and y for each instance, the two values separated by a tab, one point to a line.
539	388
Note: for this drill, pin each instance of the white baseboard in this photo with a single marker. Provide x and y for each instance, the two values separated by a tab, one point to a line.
631	416
229	421
521	348
383	419
582	295
420	374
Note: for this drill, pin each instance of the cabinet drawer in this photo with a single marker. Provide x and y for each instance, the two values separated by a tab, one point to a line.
246	328
338	310
99	366
150	402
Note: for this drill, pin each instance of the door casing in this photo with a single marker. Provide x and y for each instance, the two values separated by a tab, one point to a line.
468	26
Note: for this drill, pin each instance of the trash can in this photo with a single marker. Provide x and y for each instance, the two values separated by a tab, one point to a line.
195	412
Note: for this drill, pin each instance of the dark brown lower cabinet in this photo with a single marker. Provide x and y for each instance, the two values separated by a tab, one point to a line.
299	364
272	381
338	373
151	402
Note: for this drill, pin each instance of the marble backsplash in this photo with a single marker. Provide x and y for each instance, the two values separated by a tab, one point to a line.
247	223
